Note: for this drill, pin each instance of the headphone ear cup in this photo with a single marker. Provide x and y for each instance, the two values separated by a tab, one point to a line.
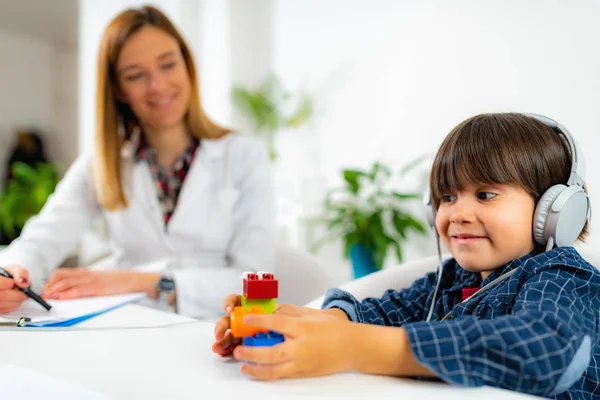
429	212
542	209
567	216
561	214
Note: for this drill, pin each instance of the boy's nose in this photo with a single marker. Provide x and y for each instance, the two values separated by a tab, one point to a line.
461	213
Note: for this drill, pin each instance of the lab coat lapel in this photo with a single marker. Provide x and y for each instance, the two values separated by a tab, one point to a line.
196	181
140	187
146	196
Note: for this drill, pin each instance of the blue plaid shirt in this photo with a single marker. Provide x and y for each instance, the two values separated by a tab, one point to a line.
535	332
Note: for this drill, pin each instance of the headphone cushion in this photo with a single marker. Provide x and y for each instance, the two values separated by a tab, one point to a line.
541	212
430	215
429	211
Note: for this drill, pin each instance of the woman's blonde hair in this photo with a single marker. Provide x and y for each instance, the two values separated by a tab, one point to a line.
112	113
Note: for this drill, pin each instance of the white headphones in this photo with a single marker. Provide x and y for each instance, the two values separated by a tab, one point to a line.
562	211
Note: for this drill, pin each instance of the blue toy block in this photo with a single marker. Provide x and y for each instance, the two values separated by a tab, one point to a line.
264	340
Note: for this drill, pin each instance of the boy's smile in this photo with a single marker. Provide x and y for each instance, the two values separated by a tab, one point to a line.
486	226
466	238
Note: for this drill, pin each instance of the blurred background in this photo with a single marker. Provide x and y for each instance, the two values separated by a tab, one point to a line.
354	94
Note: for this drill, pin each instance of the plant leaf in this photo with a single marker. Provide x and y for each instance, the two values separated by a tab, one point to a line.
416	225
25	195
352	178
398	251
407	196
24	172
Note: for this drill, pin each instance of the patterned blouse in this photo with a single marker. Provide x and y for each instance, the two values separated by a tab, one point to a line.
168	181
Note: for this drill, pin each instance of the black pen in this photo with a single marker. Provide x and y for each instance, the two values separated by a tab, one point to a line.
27	291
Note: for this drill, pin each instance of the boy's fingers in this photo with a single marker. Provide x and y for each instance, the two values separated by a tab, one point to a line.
227	340
218	348
272	372
231	301
289	309
221	327
277	354
225	346
284	324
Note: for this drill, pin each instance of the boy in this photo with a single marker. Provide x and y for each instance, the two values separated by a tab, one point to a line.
508	310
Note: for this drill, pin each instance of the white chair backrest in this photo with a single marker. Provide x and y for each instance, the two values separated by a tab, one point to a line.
589	254
301	278
396	277
403	275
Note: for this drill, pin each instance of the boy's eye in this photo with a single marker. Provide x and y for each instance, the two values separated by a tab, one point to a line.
447	198
485	195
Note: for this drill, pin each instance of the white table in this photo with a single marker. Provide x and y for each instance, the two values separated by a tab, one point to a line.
176	362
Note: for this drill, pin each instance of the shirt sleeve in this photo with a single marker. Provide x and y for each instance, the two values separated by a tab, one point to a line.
394	308
48	237
543	347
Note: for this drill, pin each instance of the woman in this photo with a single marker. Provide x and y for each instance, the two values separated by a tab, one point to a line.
189	205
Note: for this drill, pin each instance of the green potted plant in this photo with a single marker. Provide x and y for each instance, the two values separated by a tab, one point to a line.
271	107
369	217
24	195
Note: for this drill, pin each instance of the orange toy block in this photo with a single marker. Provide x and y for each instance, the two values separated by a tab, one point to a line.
238	328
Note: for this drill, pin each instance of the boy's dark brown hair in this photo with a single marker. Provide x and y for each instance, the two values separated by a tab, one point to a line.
503	148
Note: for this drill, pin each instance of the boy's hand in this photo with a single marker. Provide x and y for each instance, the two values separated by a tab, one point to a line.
315	344
224	340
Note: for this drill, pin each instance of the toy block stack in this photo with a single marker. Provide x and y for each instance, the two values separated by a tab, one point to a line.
260	295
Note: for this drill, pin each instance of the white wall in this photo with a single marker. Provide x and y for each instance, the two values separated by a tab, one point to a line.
393	77
390	77
37	90
63	137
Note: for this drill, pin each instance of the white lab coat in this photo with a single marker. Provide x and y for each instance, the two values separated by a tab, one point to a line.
223	224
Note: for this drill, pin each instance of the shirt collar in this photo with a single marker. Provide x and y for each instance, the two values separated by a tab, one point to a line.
516	263
466	278
145	152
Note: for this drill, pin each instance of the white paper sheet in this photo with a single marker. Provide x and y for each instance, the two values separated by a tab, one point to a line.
21	383
64	310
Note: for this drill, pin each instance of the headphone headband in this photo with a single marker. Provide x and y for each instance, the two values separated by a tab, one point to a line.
577	175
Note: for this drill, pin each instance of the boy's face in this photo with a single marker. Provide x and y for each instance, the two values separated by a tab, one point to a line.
484	227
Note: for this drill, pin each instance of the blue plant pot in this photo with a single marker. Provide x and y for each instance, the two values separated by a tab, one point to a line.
362	260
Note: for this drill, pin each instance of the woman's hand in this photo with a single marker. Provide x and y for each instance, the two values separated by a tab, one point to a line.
10	297
224	340
315	345
74	283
